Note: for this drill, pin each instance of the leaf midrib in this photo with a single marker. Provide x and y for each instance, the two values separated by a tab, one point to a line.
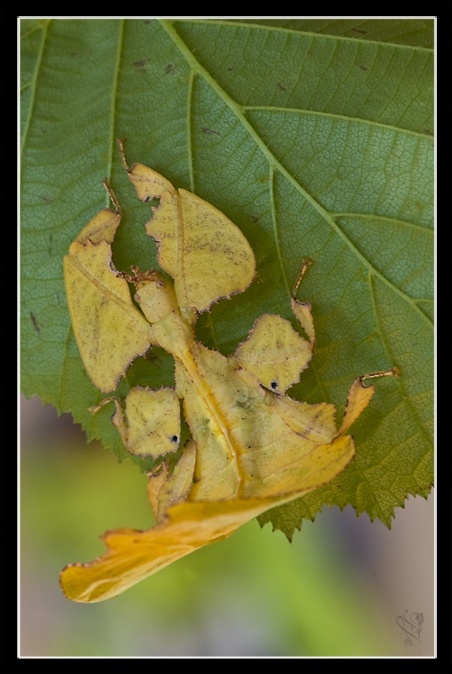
114	98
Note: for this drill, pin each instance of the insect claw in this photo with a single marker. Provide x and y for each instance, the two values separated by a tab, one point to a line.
122	153
112	196
305	264
394	372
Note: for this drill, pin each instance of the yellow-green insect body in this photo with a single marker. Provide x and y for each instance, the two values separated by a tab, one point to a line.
252	446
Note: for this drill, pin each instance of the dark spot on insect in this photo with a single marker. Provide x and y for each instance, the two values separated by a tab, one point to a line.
364	68
281	86
35	323
174	439
274	385
206	129
169	68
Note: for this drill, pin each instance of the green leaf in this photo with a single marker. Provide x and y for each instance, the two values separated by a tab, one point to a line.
315	138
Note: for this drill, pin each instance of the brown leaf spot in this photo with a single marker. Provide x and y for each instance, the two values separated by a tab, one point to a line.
35	323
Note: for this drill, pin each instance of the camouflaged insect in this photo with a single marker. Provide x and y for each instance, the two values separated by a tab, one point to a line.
252	446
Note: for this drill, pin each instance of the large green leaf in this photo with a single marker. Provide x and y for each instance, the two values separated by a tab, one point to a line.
315	138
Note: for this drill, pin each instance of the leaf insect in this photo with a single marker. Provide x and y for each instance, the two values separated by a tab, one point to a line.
252	446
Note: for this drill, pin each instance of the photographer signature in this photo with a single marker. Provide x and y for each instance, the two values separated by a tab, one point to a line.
411	625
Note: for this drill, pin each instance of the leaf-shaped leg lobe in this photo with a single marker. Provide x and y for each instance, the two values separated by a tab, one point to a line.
177	486
206	254
109	330
215	259
359	397
101	228
274	353
151	423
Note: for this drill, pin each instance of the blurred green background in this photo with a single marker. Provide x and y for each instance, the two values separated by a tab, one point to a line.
337	590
